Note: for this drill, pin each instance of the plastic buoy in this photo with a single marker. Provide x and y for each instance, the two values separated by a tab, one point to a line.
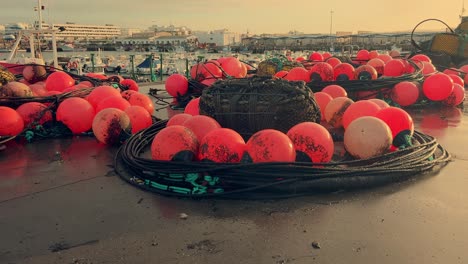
394	68
365	72
378	65
456	97
201	125
298	74
358	109
394	53
405	93
178	119
282	74
233	67
34	112
385	57
421	57
34	73
127	94
333	61
211	70
130	84
438	87
316	56
373	54
362	55
112	102
457	79
38	89
176	85
192	107
11	123
400	123
322	100
77	114
321	72
59	81
101	92
428	68
111	126
174	143
335	110
222	145
381	103
270	145
367	137
15	89
313	140
139	118
143	101
343	72
335	91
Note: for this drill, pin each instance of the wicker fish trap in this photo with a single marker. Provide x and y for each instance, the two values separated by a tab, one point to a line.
252	104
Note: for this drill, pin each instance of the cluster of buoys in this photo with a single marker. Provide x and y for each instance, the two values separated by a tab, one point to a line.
111	114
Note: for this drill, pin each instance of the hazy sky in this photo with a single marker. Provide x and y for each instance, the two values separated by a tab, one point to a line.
257	16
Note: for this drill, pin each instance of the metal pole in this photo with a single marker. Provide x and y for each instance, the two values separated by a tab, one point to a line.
31	46
39	11
152	76
132	62
54	50
187	73
92	62
161	66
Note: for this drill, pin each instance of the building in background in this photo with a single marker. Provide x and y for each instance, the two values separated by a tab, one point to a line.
219	38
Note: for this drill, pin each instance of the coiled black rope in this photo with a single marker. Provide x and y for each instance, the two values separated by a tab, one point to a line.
270	180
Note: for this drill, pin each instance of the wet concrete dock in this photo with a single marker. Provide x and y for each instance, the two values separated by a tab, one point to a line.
61	202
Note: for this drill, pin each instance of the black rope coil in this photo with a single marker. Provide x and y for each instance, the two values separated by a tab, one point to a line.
273	179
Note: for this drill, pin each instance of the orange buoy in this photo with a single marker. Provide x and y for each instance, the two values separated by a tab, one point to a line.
34	112
15	89
11	123
100	93
112	102
174	143
298	74
367	137
456	97
321	72
77	114
222	145
201	125
139	118
358	109
176	85
335	91
192	107
322	100
335	110
111	126
343	72
270	145
438	87
59	81
313	140
178	119
405	93
143	101
130	84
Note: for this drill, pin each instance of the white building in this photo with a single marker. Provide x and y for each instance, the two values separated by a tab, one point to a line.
221	37
128	32
80	31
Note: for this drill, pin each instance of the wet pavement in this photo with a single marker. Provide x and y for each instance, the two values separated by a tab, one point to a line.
61	202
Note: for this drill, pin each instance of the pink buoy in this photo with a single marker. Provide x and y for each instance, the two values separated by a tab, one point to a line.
438	87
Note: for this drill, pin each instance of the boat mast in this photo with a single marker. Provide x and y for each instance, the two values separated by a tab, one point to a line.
39	12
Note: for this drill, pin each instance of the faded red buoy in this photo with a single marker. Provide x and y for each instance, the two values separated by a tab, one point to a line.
405	93
322	100
101	92
456	97
143	101
358	109
378	65
192	107
270	145
11	123
335	110
365	72
111	126
130	84
222	145
321	72
16	89
367	137
335	91
38	89
201	125
313	140
112	102
428	68
176	85
76	113
139	118
59	81
174	143
438	87
178	119
343	72
34	73
385	57
298	74
381	103
34	112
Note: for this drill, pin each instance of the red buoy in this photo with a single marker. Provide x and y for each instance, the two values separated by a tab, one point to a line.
298	74
313	140
127	94
385	57
173	142
421	57
456	97
358	109
101	92
343	72
335	110
335	91
130	84
365	72
111	126
139	118
381	103
321	72
405	93
316	56
34	73
333	61
176	85
142	100
428	68
233	67
192	107
394	68
59	81
399	121
322	100
222	145
270	145
11	123
34	112
178	119
113	102
201	125
281	74
373	54
438	87
76	113
378	65
362	55
457	79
